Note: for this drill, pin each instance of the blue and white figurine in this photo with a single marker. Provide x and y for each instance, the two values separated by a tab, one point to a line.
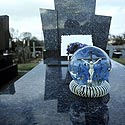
89	67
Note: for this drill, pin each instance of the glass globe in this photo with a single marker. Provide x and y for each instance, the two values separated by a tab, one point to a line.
90	66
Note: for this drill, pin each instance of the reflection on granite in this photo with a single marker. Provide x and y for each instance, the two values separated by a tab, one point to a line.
9	90
42	97
90	111
82	111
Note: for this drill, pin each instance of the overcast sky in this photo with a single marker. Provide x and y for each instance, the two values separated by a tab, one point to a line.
24	15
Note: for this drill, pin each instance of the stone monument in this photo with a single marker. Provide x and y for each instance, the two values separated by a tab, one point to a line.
73	17
8	70
4	33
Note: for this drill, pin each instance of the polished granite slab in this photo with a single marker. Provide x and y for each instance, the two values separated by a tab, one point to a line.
42	97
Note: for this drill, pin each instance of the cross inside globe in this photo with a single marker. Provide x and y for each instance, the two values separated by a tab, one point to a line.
90	66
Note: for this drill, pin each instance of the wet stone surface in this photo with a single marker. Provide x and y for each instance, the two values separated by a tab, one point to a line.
42	97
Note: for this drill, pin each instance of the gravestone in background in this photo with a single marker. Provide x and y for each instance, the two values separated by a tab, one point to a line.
8	70
4	33
73	17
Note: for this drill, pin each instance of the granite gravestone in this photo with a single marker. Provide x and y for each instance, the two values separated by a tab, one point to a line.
73	17
4	33
8	70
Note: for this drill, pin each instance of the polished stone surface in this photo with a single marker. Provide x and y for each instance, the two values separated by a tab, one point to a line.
42	97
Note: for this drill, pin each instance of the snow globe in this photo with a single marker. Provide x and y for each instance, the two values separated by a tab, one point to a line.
89	68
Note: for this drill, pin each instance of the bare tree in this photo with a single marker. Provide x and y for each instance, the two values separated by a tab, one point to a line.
26	36
14	33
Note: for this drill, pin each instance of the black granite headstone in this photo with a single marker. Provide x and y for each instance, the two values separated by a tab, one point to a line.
73	17
8	70
4	32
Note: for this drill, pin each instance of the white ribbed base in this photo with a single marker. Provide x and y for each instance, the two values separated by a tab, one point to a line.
87	91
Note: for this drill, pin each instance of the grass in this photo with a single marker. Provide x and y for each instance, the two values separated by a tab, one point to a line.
120	60
27	66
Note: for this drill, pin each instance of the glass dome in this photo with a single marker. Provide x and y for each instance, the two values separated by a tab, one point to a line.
90	66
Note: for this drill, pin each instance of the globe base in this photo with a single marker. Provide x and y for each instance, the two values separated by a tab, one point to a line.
90	92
